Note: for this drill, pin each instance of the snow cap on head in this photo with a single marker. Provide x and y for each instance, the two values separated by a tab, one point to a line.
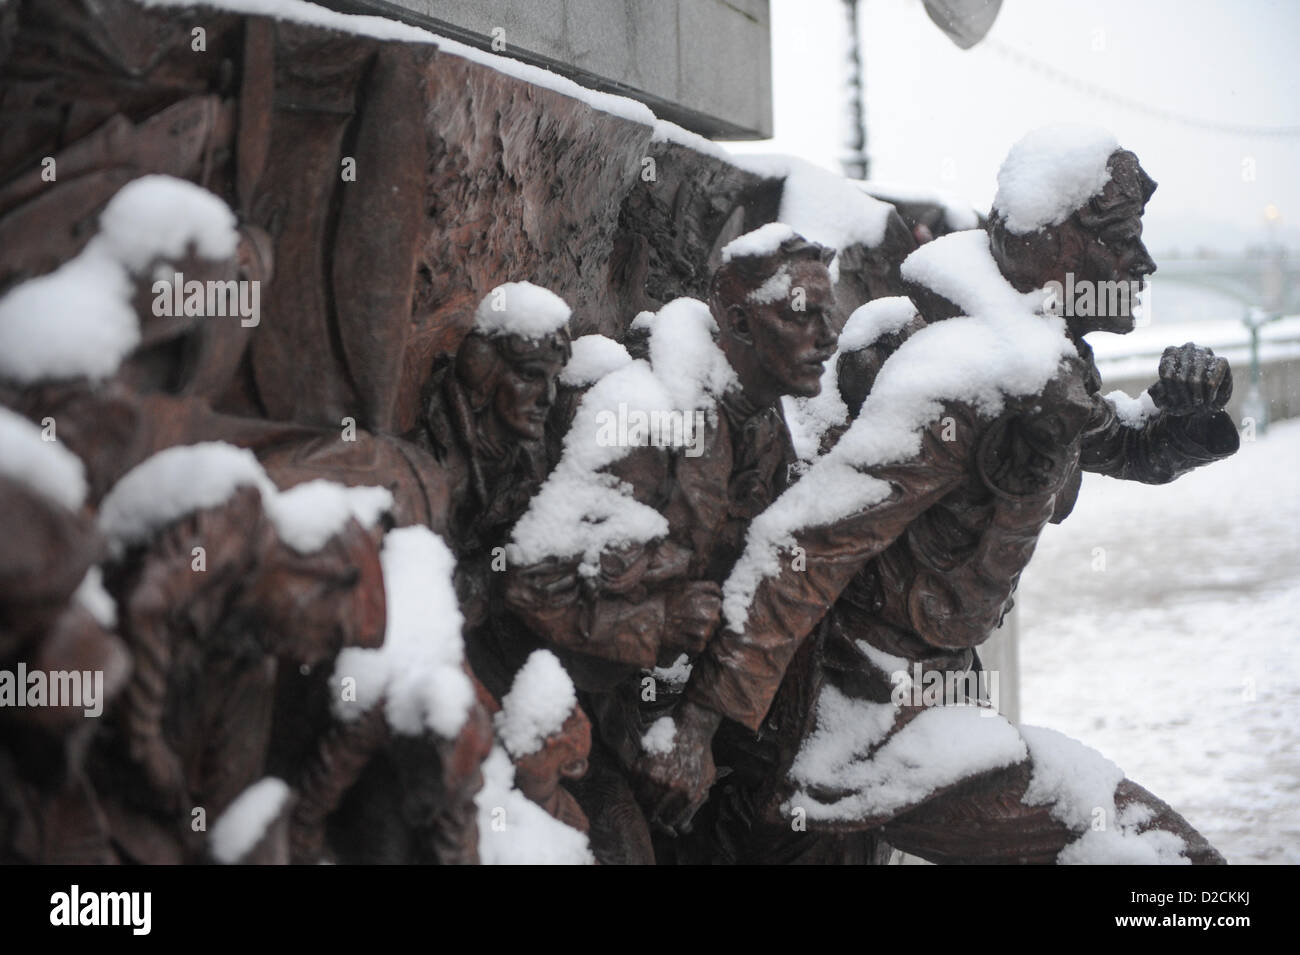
521	309
1050	173
763	241
540	700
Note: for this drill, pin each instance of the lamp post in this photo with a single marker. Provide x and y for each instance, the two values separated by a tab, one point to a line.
854	162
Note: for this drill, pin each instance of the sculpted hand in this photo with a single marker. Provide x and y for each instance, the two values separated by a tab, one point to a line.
552	583
692	614
674	785
1192	381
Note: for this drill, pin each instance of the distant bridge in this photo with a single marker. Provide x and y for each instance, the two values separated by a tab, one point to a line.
1269	281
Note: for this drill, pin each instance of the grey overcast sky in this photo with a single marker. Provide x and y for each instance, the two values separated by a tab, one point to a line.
942	117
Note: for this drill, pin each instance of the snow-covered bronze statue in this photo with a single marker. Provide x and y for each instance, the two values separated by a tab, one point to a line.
218	577
916	526
622	580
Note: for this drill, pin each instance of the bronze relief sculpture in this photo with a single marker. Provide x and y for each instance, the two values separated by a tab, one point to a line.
387	558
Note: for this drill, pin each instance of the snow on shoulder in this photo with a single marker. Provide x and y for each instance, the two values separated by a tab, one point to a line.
161	217
245	821
307	515
43	467
514	830
521	309
581	510
418	673
540	699
1001	348
78	321
594	357
1050	173
872	321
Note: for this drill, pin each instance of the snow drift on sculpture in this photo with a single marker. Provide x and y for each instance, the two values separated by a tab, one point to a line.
180	480
1078	782
940	747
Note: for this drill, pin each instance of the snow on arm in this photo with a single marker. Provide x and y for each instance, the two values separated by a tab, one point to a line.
872	321
581	510
594	357
810	418
418	671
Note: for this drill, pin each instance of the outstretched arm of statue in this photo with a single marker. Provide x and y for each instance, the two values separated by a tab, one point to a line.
740	671
1190	428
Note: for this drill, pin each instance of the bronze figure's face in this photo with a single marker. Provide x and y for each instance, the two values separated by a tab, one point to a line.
793	343
775	321
1096	257
512	380
526	390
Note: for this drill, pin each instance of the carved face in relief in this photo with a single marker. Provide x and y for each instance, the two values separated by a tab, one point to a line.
313	605
1096	257
526	389
513	380
775	321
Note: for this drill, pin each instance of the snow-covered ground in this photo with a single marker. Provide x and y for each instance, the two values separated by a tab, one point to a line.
1180	660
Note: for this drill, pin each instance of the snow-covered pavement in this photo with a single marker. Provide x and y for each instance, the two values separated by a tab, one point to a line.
1161	625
